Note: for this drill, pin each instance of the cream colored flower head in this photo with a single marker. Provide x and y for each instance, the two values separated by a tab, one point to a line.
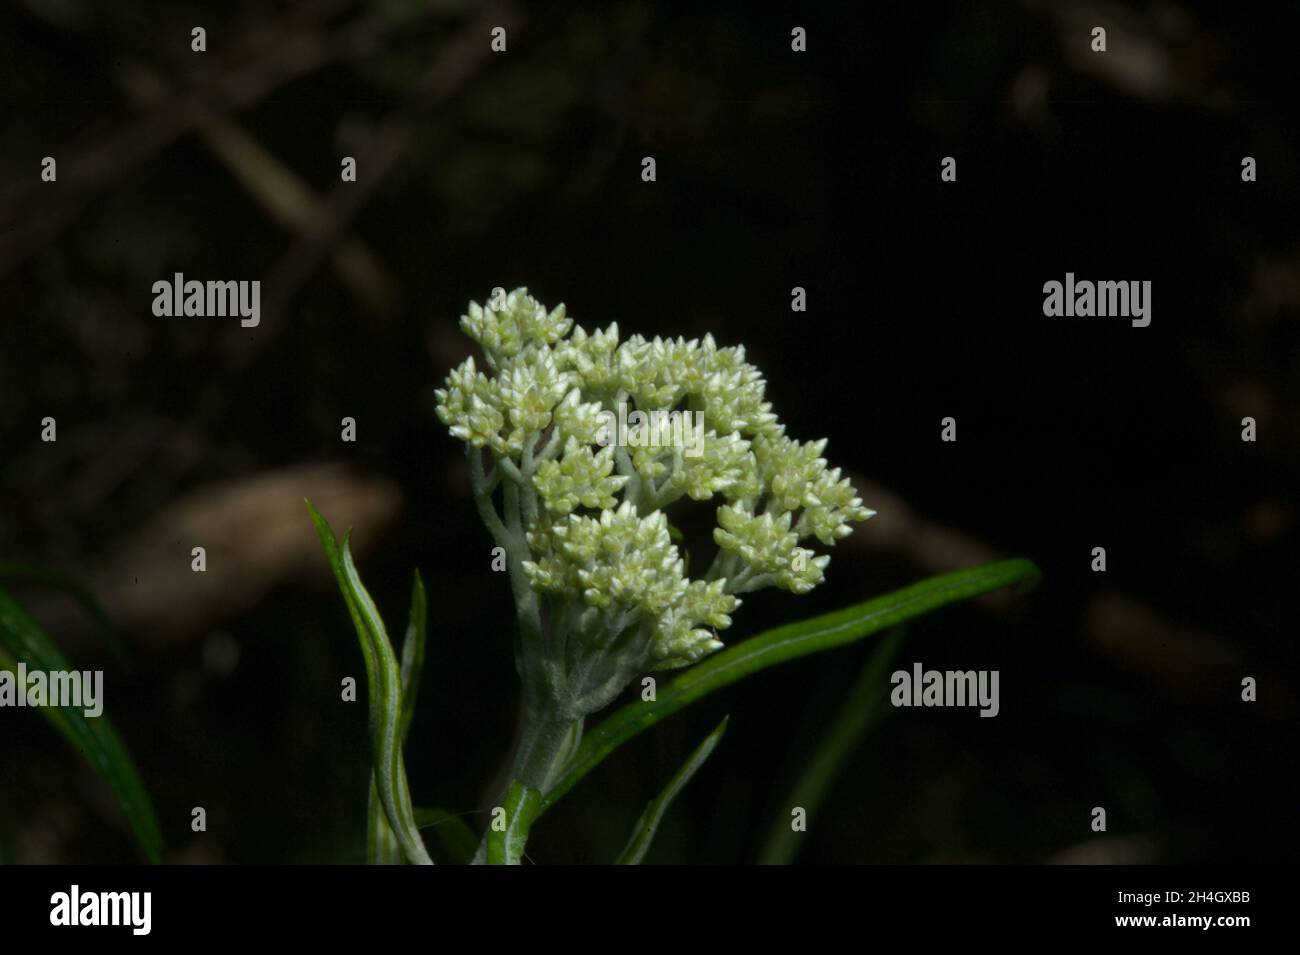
602	434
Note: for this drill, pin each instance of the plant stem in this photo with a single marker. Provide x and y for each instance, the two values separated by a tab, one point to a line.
505	846
548	740
863	707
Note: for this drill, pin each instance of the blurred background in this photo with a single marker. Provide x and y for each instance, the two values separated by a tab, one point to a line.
774	169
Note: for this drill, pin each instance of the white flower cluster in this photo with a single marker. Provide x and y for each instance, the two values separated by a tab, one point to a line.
584	520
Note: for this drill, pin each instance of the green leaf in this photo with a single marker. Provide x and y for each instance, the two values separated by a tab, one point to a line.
457	839
522	804
780	645
22	640
413	653
384	687
646	827
859	712
382	847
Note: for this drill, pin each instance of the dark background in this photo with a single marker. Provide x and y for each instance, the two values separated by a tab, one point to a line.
775	169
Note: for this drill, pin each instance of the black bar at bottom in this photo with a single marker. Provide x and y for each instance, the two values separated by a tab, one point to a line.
335	905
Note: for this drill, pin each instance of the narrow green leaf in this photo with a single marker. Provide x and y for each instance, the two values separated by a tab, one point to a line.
382	847
456	838
505	846
859	712
22	640
384	687
646	827
413	653
781	644
385	715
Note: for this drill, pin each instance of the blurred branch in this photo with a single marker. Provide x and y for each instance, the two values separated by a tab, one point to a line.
272	54
254	538
458	62
280	191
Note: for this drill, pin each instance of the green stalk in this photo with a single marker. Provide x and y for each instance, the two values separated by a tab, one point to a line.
862	708
505	845
547	742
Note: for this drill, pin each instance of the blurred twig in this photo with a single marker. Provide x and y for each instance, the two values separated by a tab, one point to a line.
272	54
458	62
279	190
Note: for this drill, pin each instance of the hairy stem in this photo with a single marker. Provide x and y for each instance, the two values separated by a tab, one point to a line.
482	488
